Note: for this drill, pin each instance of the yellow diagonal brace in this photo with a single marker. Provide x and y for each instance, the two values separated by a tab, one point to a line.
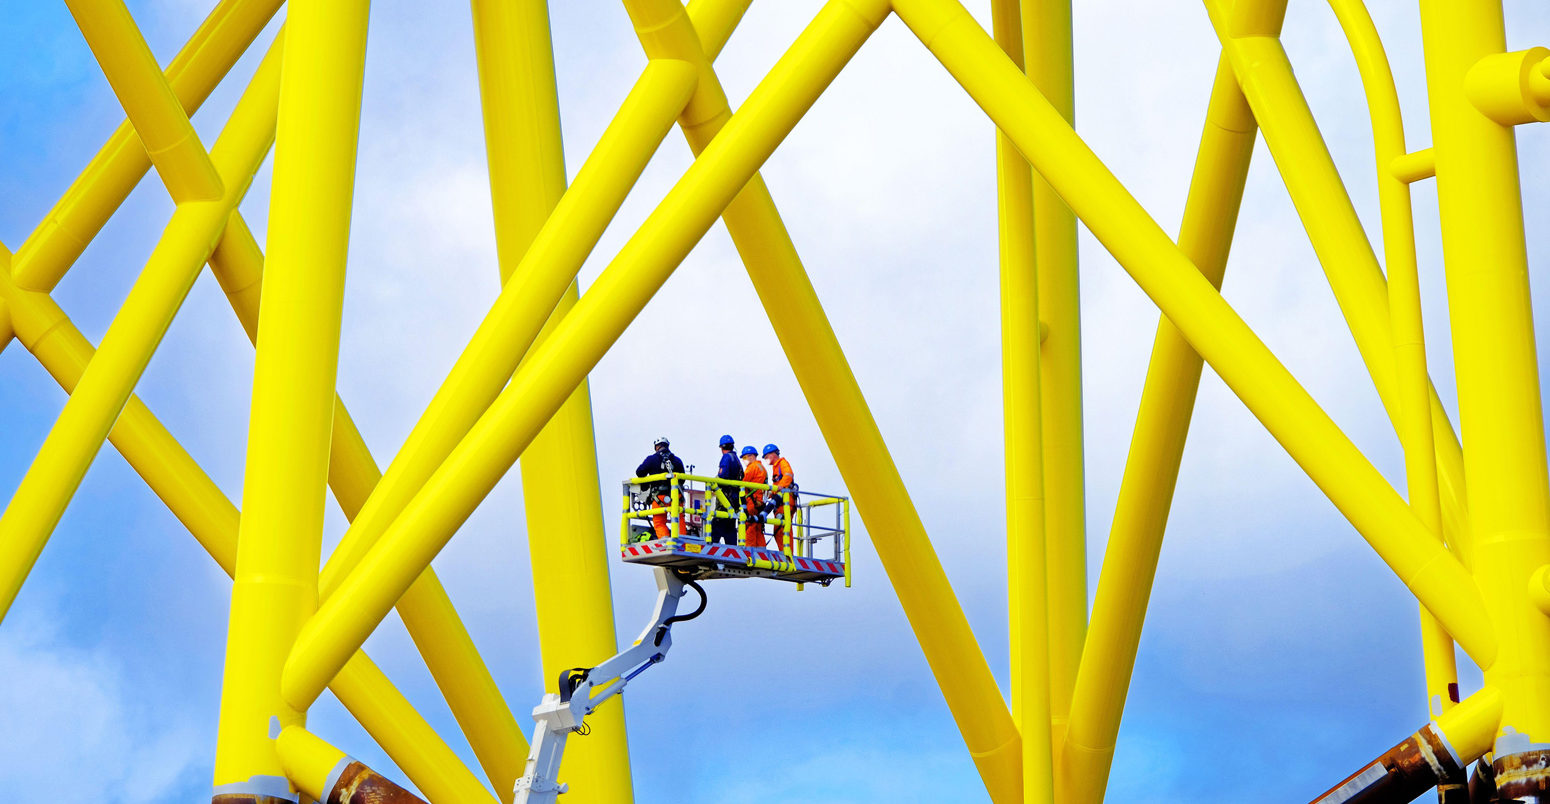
1206	320
1250	41
212	519
1156	449
121	162
153	108
714	21
136	330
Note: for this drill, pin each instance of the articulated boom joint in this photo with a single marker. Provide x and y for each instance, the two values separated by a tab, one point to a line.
583	690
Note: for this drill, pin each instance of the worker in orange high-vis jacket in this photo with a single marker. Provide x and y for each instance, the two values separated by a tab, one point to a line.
785	497
753	500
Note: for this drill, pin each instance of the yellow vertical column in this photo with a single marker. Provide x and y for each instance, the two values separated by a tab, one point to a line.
1027	568
560	491
1500	410
1047	44
1152	468
1413	385
293	389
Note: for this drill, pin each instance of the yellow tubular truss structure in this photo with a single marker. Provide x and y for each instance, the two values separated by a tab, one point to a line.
1477	559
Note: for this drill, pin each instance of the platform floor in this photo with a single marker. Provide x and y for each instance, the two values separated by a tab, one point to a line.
707	561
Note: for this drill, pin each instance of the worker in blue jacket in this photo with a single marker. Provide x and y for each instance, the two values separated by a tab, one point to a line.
725	530
659	462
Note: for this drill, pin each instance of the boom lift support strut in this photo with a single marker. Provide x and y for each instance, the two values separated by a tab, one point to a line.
583	690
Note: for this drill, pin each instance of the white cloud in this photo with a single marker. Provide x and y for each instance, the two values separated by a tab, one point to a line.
75	731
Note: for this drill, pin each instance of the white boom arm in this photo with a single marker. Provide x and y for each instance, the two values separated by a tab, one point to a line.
583	690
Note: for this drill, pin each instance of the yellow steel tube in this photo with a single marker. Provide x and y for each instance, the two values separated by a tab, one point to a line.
562	500
311	764
1026	552
293	381
554	369
1413	167
1205	319
104	388
821	370
174	476
119	164
409	741
153	109
1047	47
1157	446
714	21
1404	296
1471	726
1249	38
1495	358
439	634
519	313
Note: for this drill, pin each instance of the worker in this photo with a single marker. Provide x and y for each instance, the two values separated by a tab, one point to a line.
724	531
753	499
661	461
785	499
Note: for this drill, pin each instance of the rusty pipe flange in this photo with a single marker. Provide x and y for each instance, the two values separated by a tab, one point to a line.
359	784
1403	772
1523	776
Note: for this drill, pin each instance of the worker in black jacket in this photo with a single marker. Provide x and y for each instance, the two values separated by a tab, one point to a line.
659	462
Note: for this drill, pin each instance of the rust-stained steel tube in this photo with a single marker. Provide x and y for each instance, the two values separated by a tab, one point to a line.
1523	776
1403	772
359	784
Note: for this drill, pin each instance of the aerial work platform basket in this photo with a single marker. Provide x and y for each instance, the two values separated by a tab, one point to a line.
689	505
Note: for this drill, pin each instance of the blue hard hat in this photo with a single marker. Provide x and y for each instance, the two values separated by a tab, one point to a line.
728	441
768	448
749	450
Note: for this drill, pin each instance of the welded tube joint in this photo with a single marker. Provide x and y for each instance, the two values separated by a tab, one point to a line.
1419	763
1511	88
358	784
1524	776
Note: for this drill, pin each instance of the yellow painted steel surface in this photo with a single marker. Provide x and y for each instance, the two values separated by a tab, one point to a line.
1476	559
289	429
1156	448
1500	406
1028	567
563	502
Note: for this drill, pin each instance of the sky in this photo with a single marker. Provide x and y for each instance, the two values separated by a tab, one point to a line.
1272	625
